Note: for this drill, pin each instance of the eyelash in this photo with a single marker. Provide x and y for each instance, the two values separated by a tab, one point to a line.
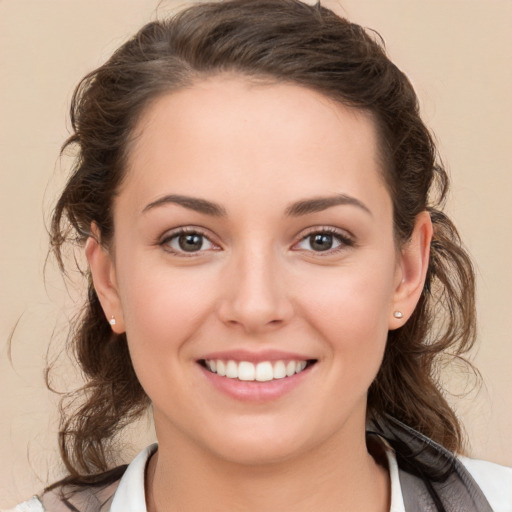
344	241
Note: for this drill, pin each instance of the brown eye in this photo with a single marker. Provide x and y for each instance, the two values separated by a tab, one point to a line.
321	241
187	242
190	242
325	240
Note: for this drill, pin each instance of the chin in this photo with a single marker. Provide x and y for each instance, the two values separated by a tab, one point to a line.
258	452
258	443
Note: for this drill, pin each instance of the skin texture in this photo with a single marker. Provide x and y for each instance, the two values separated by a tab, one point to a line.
257	284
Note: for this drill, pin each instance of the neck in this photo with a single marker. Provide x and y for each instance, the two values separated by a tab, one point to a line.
333	477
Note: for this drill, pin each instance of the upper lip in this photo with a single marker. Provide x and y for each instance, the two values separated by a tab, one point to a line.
255	356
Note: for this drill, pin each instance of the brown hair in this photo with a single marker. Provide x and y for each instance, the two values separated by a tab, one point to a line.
286	41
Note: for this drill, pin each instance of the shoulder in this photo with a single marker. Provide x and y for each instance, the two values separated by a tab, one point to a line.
33	505
84	499
69	495
494	480
429	474
118	490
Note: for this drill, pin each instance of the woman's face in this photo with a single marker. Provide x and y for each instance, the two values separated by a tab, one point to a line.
254	236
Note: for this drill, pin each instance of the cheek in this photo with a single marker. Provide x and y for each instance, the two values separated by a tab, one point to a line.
163	309
349	307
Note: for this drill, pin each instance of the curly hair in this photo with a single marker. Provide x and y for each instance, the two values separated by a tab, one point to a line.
284	41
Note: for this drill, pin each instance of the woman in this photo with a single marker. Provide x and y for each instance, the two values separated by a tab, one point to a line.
259	203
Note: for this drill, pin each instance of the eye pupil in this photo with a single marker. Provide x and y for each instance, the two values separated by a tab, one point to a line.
321	241
190	242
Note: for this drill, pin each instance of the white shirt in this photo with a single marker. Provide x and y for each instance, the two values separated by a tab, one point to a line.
494	480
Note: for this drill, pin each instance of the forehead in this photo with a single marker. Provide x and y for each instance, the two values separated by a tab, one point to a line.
228	130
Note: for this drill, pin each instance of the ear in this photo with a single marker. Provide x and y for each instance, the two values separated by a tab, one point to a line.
411	271
104	279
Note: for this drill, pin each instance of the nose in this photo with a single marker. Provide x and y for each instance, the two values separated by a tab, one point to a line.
255	297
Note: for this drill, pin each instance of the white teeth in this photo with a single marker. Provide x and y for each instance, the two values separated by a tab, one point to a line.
246	371
221	368
279	370
232	370
290	368
264	371
261	372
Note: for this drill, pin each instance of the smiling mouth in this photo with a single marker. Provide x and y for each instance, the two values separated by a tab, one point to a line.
263	371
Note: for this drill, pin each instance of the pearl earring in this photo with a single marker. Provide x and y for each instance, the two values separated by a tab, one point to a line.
398	314
112	320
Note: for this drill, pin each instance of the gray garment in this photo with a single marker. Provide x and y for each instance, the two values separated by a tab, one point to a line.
431	477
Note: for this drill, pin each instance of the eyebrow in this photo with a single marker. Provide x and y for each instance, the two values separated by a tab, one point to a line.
297	209
318	204
193	203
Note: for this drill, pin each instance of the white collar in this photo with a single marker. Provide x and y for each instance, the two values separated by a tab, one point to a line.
131	497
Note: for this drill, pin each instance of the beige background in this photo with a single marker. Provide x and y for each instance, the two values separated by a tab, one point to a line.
457	53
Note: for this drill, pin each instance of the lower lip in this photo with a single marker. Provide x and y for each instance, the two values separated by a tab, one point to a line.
254	391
